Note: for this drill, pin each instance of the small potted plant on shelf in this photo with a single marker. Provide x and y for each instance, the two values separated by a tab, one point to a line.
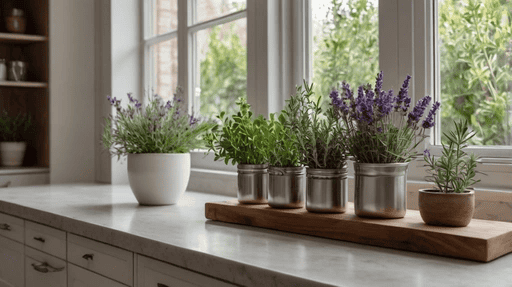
322	152
157	140
287	176
381	136
452	202
242	140
14	131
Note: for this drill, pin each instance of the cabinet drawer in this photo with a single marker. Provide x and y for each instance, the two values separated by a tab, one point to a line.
79	277
42	269
47	239
151	273
11	227
12	255
107	260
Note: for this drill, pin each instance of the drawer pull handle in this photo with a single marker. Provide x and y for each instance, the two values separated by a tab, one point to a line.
39	239
161	285
45	267
5	226
88	256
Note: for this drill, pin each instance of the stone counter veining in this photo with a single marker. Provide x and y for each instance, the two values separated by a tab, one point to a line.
181	235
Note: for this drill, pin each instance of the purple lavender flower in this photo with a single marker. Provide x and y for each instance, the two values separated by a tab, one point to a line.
426	153
347	91
138	105
338	102
403	96
378	85
384	103
419	109
364	106
132	100
168	105
429	121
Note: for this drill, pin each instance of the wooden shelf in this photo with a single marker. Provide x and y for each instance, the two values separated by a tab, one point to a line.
481	240
5	170
21	38
23	84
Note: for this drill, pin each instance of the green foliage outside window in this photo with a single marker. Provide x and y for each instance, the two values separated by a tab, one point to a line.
476	77
348	48
223	73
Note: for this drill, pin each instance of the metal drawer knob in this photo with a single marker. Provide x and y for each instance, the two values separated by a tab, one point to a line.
161	285
39	239
5	226
45	267
88	256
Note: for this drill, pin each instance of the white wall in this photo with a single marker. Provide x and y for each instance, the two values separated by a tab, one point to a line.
72	90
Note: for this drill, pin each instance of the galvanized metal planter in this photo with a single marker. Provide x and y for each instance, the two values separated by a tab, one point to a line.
380	189
252	183
326	190
287	187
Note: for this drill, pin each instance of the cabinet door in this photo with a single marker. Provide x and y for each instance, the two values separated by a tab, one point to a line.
11	263
79	277
154	273
43	270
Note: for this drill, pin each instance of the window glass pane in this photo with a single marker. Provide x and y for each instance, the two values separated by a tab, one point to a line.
164	17
210	9
221	68
164	68
475	45
345	43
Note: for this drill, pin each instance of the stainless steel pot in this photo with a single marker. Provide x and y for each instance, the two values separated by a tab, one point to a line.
326	190
252	183
380	190
287	187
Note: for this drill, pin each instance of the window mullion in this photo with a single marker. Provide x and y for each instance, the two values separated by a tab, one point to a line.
183	51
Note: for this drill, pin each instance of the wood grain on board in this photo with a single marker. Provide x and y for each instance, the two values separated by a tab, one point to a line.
481	240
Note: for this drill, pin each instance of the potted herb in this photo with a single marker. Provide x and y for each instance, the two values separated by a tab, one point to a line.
14	131
287	176
452	202
242	140
157	140
381	135
322	152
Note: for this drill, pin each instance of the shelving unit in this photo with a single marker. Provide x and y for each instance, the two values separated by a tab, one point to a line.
31	96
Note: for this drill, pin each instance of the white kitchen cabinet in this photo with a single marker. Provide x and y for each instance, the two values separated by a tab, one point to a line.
11	263
79	277
44	270
154	273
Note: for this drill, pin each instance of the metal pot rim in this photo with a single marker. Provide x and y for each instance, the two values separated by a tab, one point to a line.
326	170
251	166
393	164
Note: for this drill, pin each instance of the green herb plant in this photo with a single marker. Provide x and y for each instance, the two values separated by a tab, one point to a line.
283	142
14	129
315	130
241	138
156	128
454	170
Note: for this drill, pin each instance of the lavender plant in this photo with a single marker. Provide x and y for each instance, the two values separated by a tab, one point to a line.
454	171
315	130
379	126
157	128
241	139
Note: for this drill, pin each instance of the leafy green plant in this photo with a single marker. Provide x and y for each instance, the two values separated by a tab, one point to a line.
454	171
283	143
14	129
241	139
156	128
315	130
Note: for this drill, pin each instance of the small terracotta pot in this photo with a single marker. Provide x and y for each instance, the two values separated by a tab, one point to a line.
446	209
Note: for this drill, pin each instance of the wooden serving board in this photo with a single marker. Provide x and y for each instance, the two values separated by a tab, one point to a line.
481	240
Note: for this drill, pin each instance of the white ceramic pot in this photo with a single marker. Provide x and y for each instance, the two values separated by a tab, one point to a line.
158	178
12	153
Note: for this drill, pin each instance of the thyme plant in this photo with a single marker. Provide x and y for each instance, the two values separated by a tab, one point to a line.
157	128
379	126
315	130
283	143
241	139
454	170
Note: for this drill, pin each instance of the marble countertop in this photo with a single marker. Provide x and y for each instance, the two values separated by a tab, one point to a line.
180	234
